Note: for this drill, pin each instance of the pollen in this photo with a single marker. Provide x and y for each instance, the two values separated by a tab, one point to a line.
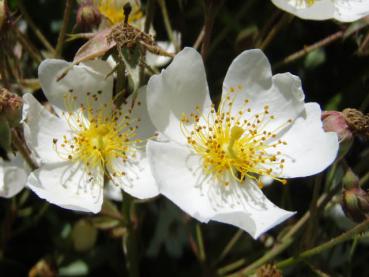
100	138
237	144
302	4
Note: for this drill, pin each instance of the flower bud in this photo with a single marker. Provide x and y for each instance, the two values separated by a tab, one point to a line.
334	121
10	107
88	15
350	180
355	203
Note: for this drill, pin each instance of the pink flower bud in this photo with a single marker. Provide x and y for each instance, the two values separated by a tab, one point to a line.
334	121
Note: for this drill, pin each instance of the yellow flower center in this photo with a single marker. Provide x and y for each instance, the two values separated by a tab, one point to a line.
99	138
113	10
236	145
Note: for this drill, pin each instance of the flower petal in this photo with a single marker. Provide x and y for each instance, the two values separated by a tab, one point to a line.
138	180
89	78
68	185
40	128
176	90
250	77
319	10
180	177
137	104
174	167
309	149
256	215
348	11
13	177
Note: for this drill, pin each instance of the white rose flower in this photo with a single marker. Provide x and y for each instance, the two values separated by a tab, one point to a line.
341	10
88	140
13	176
216	159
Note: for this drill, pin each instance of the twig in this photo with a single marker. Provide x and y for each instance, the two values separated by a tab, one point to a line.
33	26
19	144
24	41
200	38
168	25
210	11
228	27
200	243
61	38
325	246
307	49
230	245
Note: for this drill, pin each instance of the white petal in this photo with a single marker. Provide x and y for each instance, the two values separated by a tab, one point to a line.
180	177
256	214
13	176
40	128
174	168
113	192
320	10
309	149
250	77
80	80
137	103
158	61
138	180
176	90
68	185
351	10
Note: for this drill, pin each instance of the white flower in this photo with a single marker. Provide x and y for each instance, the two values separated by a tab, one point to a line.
88	140
13	176
342	10
214	163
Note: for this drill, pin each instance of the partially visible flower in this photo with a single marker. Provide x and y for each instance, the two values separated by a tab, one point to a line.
88	16
89	141
341	10
112	10
216	158
13	176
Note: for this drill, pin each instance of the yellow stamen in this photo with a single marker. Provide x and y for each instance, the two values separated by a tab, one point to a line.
236	144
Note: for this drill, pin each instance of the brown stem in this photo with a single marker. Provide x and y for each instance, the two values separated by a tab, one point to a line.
63	30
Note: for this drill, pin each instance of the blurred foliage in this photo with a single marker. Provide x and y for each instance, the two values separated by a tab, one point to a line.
36	237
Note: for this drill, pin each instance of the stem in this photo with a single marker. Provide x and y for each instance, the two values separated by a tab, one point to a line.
150	11
307	49
168	26
130	240
211	9
230	245
325	246
275	30
61	38
200	243
19	144
26	43
199	39
33	26
218	39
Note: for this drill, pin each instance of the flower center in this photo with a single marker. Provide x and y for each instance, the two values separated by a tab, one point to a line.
113	10
236	145
99	138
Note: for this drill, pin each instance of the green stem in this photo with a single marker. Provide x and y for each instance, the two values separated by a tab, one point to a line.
200	243
130	240
63	30
350	234
230	245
